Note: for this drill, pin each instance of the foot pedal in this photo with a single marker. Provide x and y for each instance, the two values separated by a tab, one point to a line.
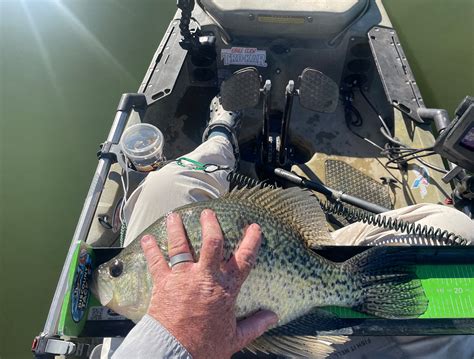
241	90
344	177
318	92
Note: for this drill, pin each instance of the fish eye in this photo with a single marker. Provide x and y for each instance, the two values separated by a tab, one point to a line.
116	269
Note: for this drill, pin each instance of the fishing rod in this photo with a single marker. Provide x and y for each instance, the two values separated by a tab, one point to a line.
328	191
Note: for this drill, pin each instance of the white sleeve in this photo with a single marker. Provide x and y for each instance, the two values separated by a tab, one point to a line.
149	339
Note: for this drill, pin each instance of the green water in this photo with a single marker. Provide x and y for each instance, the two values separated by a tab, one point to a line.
63	68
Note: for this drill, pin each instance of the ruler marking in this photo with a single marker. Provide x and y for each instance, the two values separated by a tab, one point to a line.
452	295
444	298
469	275
459	298
470	302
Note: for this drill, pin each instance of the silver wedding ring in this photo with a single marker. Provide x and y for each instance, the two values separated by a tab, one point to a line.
180	258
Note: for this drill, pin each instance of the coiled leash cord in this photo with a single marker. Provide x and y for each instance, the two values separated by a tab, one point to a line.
239	180
381	221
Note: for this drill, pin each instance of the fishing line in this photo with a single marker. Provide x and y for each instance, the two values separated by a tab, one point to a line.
125	179
379	116
357	123
390	151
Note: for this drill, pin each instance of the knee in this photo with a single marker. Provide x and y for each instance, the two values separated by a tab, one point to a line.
164	180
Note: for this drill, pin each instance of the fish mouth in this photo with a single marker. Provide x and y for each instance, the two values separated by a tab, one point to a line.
101	289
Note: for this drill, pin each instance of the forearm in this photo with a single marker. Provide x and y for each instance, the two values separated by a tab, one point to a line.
149	339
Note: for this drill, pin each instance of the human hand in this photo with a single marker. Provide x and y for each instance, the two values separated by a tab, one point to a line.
195	301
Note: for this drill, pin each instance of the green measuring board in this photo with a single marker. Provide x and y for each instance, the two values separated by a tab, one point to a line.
76	300
449	288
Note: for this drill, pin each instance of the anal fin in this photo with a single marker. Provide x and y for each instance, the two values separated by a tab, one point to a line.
310	336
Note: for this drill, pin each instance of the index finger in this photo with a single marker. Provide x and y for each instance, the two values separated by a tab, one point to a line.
246	255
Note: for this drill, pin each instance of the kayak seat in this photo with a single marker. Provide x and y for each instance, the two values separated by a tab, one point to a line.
291	19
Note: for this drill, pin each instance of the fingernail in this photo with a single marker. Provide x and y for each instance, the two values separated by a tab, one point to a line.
171	217
274	320
207	213
255	227
147	239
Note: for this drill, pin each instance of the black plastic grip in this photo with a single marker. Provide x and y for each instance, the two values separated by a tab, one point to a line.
131	100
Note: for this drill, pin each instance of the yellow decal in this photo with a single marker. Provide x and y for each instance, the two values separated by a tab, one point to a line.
279	19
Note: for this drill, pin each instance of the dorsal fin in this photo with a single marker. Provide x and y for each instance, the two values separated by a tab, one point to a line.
297	207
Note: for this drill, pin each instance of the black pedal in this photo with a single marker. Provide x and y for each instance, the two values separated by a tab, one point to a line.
241	90
318	92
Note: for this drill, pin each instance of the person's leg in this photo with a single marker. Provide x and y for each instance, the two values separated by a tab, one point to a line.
174	186
434	215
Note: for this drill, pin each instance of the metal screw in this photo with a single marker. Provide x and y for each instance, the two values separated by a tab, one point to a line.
310	19
251	17
278	71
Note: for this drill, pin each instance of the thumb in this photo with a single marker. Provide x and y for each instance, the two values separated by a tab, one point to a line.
252	327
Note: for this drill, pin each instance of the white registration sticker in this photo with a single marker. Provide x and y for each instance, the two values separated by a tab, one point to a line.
244	56
422	180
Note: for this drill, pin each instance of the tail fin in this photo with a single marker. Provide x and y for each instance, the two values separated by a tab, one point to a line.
386	284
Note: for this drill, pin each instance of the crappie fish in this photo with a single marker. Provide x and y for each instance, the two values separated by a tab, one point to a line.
288	278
